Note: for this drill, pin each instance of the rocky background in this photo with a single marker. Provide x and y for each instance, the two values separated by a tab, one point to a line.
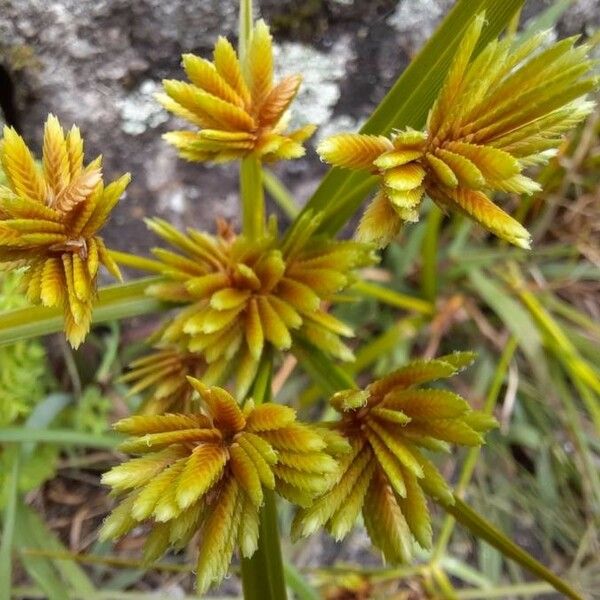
98	63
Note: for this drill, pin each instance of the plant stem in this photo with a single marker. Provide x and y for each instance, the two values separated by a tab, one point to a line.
392	297
252	197
298	584
280	194
262	574
245	27
429	252
64	437
484	530
114	302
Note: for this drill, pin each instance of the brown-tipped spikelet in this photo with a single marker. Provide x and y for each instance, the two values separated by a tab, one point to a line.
206	472
236	105
498	112
161	376
241	294
49	218
386	475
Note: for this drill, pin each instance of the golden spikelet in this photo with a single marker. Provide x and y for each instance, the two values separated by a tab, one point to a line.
49	218
386	476
239	295
161	377
238	108
206	472
497	113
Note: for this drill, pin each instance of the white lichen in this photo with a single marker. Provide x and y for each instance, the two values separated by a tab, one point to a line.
139	111
321	72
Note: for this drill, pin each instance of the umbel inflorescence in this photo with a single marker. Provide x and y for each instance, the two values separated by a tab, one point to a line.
205	471
497	113
386	475
205	459
236	105
239	295
49	220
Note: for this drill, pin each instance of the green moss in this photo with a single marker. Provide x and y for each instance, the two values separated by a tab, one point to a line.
23	377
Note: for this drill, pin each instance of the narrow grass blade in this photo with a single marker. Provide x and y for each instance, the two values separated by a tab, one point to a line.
298	584
70	572
582	374
64	437
8	528
514	317
114	302
429	254
392	297
41	570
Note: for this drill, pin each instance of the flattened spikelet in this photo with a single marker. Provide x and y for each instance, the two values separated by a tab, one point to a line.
238	108
240	295
206	472
386	475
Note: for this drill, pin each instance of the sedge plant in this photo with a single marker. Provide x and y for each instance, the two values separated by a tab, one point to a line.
208	451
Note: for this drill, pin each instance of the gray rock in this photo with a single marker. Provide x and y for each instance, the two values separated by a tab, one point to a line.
97	63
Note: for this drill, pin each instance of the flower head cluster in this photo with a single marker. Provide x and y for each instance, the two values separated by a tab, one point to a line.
49	219
386	475
497	113
236	105
206	472
242	294
162	376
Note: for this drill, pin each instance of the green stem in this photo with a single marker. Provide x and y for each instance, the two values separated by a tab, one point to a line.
298	584
393	298
429	253
444	584
64	437
245	27
114	302
280	194
262	574
253	198
483	529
